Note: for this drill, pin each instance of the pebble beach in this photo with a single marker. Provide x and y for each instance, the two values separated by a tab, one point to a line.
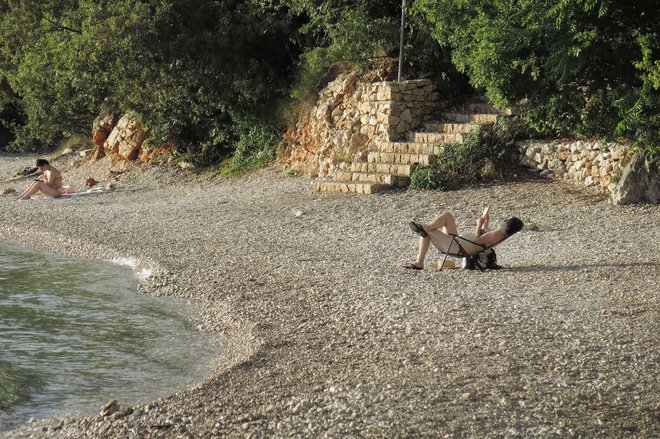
328	336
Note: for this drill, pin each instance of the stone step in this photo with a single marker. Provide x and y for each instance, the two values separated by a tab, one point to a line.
450	127
373	177
483	107
400	158
411	148
384	168
480	118
431	137
356	187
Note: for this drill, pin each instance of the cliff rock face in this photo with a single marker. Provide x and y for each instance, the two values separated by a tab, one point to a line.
330	132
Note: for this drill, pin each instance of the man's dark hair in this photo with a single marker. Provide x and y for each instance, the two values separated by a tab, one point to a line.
42	162
513	225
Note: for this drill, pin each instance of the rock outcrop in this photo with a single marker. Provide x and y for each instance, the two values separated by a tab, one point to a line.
639	183
122	137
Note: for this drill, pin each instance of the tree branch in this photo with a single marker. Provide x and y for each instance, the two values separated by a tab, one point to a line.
62	27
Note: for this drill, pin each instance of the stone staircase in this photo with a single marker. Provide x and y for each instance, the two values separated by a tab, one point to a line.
392	163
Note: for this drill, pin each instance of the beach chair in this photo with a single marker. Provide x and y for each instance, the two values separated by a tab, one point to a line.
483	258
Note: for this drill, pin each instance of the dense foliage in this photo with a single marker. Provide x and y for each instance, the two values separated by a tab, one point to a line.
210	75
585	67
198	72
361	33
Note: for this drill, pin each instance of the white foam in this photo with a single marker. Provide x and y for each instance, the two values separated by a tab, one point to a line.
132	263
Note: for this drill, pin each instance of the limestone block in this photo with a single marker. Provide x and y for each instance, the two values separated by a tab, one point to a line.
557	165
418	92
406	116
617	153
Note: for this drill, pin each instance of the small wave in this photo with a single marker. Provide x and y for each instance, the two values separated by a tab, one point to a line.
133	264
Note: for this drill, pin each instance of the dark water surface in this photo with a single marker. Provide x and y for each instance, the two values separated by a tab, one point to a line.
75	334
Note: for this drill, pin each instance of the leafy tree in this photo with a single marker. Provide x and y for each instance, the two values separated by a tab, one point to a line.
353	33
583	66
190	70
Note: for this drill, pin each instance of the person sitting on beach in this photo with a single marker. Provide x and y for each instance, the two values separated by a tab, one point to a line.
440	231
49	184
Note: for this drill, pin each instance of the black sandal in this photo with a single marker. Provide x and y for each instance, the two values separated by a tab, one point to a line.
418	229
412	266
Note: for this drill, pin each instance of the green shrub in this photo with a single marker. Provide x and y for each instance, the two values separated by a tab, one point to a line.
255	149
462	164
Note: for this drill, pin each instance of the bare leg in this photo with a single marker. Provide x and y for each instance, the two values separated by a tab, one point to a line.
444	221
29	191
424	244
40	186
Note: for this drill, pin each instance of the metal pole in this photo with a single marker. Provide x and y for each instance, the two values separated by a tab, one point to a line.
403	24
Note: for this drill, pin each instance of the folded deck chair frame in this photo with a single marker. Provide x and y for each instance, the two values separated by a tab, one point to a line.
462	253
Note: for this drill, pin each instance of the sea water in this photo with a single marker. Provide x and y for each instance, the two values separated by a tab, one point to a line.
75	334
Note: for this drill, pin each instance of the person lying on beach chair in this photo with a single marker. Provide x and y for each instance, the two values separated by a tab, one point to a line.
443	234
49	184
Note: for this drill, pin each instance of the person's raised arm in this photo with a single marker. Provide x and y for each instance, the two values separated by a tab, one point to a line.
483	222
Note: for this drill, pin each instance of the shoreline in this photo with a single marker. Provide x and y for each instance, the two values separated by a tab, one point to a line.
173	346
327	334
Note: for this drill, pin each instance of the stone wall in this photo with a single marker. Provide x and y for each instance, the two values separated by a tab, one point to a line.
589	163
352	116
607	167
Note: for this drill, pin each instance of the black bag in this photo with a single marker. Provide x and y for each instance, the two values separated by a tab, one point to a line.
485	260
